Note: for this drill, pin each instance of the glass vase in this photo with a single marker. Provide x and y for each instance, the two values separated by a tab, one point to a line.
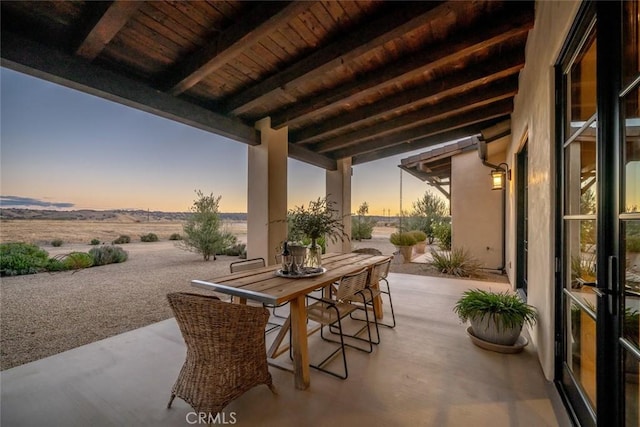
314	255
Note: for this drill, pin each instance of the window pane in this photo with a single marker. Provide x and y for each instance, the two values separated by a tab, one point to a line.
631	397
632	152
582	86
631	324
580	175
631	41
580	241
581	349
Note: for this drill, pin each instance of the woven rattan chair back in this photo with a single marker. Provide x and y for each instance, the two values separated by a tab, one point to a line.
380	271
368	251
226	353
247	264
351	284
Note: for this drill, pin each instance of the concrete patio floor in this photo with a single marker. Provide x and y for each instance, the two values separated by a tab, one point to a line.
426	372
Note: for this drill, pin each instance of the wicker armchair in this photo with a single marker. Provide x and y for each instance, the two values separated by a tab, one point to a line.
226	353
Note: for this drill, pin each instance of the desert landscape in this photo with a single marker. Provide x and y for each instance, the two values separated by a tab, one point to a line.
47	313
42	226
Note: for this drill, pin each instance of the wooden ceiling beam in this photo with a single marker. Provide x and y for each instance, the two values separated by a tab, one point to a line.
393	24
424	142
257	23
497	109
508	26
44	62
480	74
305	155
477	98
98	34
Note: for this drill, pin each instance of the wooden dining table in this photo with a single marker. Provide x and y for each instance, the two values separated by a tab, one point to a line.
265	286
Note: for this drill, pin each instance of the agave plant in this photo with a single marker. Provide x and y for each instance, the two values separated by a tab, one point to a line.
457	262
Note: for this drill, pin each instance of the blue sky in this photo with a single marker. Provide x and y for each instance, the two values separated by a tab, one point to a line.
61	148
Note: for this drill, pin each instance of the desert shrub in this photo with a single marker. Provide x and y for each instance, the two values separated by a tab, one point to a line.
442	231
235	250
175	236
108	255
202	232
94	242
77	260
54	264
21	258
457	262
150	237
56	243
362	228
122	239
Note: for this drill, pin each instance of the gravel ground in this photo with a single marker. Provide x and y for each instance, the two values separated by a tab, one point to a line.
47	313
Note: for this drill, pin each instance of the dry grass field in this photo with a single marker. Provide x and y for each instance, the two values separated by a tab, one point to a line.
42	232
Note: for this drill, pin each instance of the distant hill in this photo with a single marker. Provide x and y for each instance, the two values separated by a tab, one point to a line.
119	215
126	215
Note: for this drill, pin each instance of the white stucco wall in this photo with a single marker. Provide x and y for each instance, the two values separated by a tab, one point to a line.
533	118
476	210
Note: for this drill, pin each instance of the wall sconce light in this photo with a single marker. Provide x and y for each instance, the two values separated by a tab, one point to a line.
497	179
498	176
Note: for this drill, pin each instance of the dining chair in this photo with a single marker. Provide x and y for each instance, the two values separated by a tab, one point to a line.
246	264
383	274
375	289
252	264
226	352
331	309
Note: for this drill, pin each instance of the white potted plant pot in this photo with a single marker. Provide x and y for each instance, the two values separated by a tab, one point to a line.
486	328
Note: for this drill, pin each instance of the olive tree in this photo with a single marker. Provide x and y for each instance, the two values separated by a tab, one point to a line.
427	212
202	232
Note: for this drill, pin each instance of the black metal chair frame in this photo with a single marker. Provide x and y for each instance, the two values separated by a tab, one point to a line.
376	292
332	304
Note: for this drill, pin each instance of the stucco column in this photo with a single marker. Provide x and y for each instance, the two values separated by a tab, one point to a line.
338	188
267	192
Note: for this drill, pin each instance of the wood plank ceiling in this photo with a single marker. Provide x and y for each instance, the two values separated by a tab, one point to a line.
362	79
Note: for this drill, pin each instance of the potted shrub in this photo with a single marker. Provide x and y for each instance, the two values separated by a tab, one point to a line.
421	241
495	317
404	243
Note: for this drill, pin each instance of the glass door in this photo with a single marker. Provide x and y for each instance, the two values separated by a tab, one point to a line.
579	221
522	256
598	332
629	214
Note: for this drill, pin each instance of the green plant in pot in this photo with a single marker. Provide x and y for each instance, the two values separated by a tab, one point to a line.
320	219
421	240
404	243
495	317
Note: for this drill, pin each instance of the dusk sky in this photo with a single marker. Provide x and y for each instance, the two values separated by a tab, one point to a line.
64	149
